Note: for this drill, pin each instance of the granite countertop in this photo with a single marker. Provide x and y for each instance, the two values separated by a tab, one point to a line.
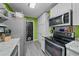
6	48
74	46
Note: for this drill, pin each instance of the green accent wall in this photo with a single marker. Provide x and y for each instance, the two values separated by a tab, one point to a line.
8	7
35	28
27	17
77	31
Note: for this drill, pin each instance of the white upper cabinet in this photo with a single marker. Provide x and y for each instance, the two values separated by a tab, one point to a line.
54	12
43	24
60	9
76	14
64	8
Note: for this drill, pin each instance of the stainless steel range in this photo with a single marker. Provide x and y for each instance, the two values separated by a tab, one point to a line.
56	45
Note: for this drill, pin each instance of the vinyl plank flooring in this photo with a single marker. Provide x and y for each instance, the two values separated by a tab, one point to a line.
33	49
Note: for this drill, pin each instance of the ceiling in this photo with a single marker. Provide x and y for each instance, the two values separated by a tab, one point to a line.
32	12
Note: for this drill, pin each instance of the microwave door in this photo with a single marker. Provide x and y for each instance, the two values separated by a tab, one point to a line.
57	20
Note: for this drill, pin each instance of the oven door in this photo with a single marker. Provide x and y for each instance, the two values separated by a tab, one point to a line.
53	49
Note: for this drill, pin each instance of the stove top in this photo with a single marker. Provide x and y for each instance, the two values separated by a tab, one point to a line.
61	38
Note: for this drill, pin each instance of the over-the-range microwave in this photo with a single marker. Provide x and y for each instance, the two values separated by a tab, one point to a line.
64	19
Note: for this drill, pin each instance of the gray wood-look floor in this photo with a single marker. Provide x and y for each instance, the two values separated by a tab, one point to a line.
33	49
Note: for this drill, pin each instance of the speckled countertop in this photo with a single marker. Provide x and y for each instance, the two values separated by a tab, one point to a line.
74	46
6	48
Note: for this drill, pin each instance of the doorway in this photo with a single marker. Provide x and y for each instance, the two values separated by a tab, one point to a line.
29	31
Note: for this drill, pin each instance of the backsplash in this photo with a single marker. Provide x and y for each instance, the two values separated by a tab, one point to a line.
68	28
58	28
76	30
50	29
63	28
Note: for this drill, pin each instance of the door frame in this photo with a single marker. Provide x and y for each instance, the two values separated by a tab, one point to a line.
33	26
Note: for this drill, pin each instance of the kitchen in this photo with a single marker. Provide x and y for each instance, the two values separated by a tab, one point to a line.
55	29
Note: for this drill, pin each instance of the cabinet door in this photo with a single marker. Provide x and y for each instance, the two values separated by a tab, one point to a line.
60	9
76	14
71	53
54	12
43	44
63	8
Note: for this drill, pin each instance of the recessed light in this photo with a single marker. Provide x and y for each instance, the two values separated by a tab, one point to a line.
32	5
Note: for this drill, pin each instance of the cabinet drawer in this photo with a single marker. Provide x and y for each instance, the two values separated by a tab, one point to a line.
71	53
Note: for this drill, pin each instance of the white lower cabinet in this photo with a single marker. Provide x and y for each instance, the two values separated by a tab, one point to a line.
72	48
43	45
71	53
